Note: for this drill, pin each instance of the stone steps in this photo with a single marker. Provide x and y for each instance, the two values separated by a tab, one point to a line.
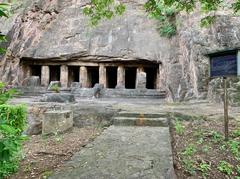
141	121
144	115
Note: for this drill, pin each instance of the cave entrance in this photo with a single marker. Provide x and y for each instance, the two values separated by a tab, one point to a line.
54	73
36	71
93	76
151	77
111	77
130	77
73	74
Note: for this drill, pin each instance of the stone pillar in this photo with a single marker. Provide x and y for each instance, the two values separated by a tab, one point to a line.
159	76
64	76
141	78
83	78
103	75
27	71
121	77
45	76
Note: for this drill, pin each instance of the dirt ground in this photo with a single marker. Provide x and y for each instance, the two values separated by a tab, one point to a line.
43	154
199	149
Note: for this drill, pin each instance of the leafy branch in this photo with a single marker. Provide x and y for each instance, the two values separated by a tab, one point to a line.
4	9
164	11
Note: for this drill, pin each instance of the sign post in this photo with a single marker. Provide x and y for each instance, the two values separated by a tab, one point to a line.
225	64
226	121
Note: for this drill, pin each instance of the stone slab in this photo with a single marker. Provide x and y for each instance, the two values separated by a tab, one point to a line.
57	121
123	153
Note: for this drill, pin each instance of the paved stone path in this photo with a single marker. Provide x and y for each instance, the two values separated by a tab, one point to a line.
123	152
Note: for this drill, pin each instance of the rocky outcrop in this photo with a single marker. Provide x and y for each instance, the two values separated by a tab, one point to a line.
57	30
195	43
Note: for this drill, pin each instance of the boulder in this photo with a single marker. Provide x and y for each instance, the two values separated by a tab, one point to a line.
57	121
35	118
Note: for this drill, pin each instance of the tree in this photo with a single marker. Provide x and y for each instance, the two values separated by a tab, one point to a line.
162	10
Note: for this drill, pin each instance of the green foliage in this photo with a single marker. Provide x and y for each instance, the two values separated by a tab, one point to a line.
164	14
206	21
103	9
236	133
189	166
189	150
238	170
164	11
216	136
55	88
179	127
5	93
225	167
234	147
204	167
4	9
12	124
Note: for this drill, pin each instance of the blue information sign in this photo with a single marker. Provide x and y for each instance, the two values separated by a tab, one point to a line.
224	65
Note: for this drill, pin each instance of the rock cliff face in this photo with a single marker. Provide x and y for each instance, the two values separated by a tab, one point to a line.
57	29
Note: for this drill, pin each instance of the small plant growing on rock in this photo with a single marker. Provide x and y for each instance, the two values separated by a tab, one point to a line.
225	167
55	88
216	136
189	166
204	167
189	150
179	127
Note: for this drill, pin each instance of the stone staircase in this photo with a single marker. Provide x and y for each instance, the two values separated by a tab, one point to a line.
141	119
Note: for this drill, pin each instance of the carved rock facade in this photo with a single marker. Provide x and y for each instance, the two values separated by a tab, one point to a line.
52	39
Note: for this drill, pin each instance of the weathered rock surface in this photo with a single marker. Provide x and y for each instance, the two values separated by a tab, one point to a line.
58	97
53	30
32	81
57	121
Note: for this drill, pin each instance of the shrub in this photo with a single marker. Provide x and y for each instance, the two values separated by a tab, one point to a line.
12	124
55	88
225	167
5	93
179	127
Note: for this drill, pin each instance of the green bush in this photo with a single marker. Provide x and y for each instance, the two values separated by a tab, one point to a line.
12	124
55	88
5	93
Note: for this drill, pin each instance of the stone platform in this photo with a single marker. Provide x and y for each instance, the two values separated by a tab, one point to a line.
105	93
